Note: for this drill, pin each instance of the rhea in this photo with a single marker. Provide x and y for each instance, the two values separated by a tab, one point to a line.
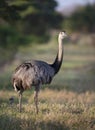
36	73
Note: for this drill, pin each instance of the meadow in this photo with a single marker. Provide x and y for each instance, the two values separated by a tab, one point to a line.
68	103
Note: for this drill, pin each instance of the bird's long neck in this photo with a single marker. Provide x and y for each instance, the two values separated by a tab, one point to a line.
58	60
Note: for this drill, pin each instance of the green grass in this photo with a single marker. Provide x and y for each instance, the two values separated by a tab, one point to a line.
69	101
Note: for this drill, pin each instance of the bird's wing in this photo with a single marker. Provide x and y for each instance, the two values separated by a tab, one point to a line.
34	72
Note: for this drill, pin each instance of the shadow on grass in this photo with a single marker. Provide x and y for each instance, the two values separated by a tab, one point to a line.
12	122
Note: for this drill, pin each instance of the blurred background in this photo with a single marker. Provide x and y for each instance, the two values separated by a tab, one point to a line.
29	30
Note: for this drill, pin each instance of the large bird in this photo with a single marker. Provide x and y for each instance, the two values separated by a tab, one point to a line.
36	72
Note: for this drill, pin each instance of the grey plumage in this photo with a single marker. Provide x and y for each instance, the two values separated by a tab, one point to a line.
35	73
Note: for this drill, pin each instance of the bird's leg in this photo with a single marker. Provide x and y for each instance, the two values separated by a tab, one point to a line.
20	101
36	100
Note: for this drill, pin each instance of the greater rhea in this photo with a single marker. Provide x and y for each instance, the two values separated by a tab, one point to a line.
36	73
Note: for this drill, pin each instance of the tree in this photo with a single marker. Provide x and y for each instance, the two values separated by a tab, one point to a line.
21	19
35	17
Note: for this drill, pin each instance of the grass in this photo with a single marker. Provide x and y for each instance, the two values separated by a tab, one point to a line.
67	104
63	110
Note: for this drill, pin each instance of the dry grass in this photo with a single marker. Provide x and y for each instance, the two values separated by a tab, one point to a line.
59	110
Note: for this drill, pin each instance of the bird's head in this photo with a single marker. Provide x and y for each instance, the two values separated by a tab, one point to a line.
62	35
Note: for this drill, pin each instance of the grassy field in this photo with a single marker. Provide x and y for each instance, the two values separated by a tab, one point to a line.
59	110
68	103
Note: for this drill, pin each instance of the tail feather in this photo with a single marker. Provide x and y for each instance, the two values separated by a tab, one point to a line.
18	85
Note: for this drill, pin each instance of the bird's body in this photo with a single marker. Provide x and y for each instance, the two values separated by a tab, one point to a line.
32	73
35	73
